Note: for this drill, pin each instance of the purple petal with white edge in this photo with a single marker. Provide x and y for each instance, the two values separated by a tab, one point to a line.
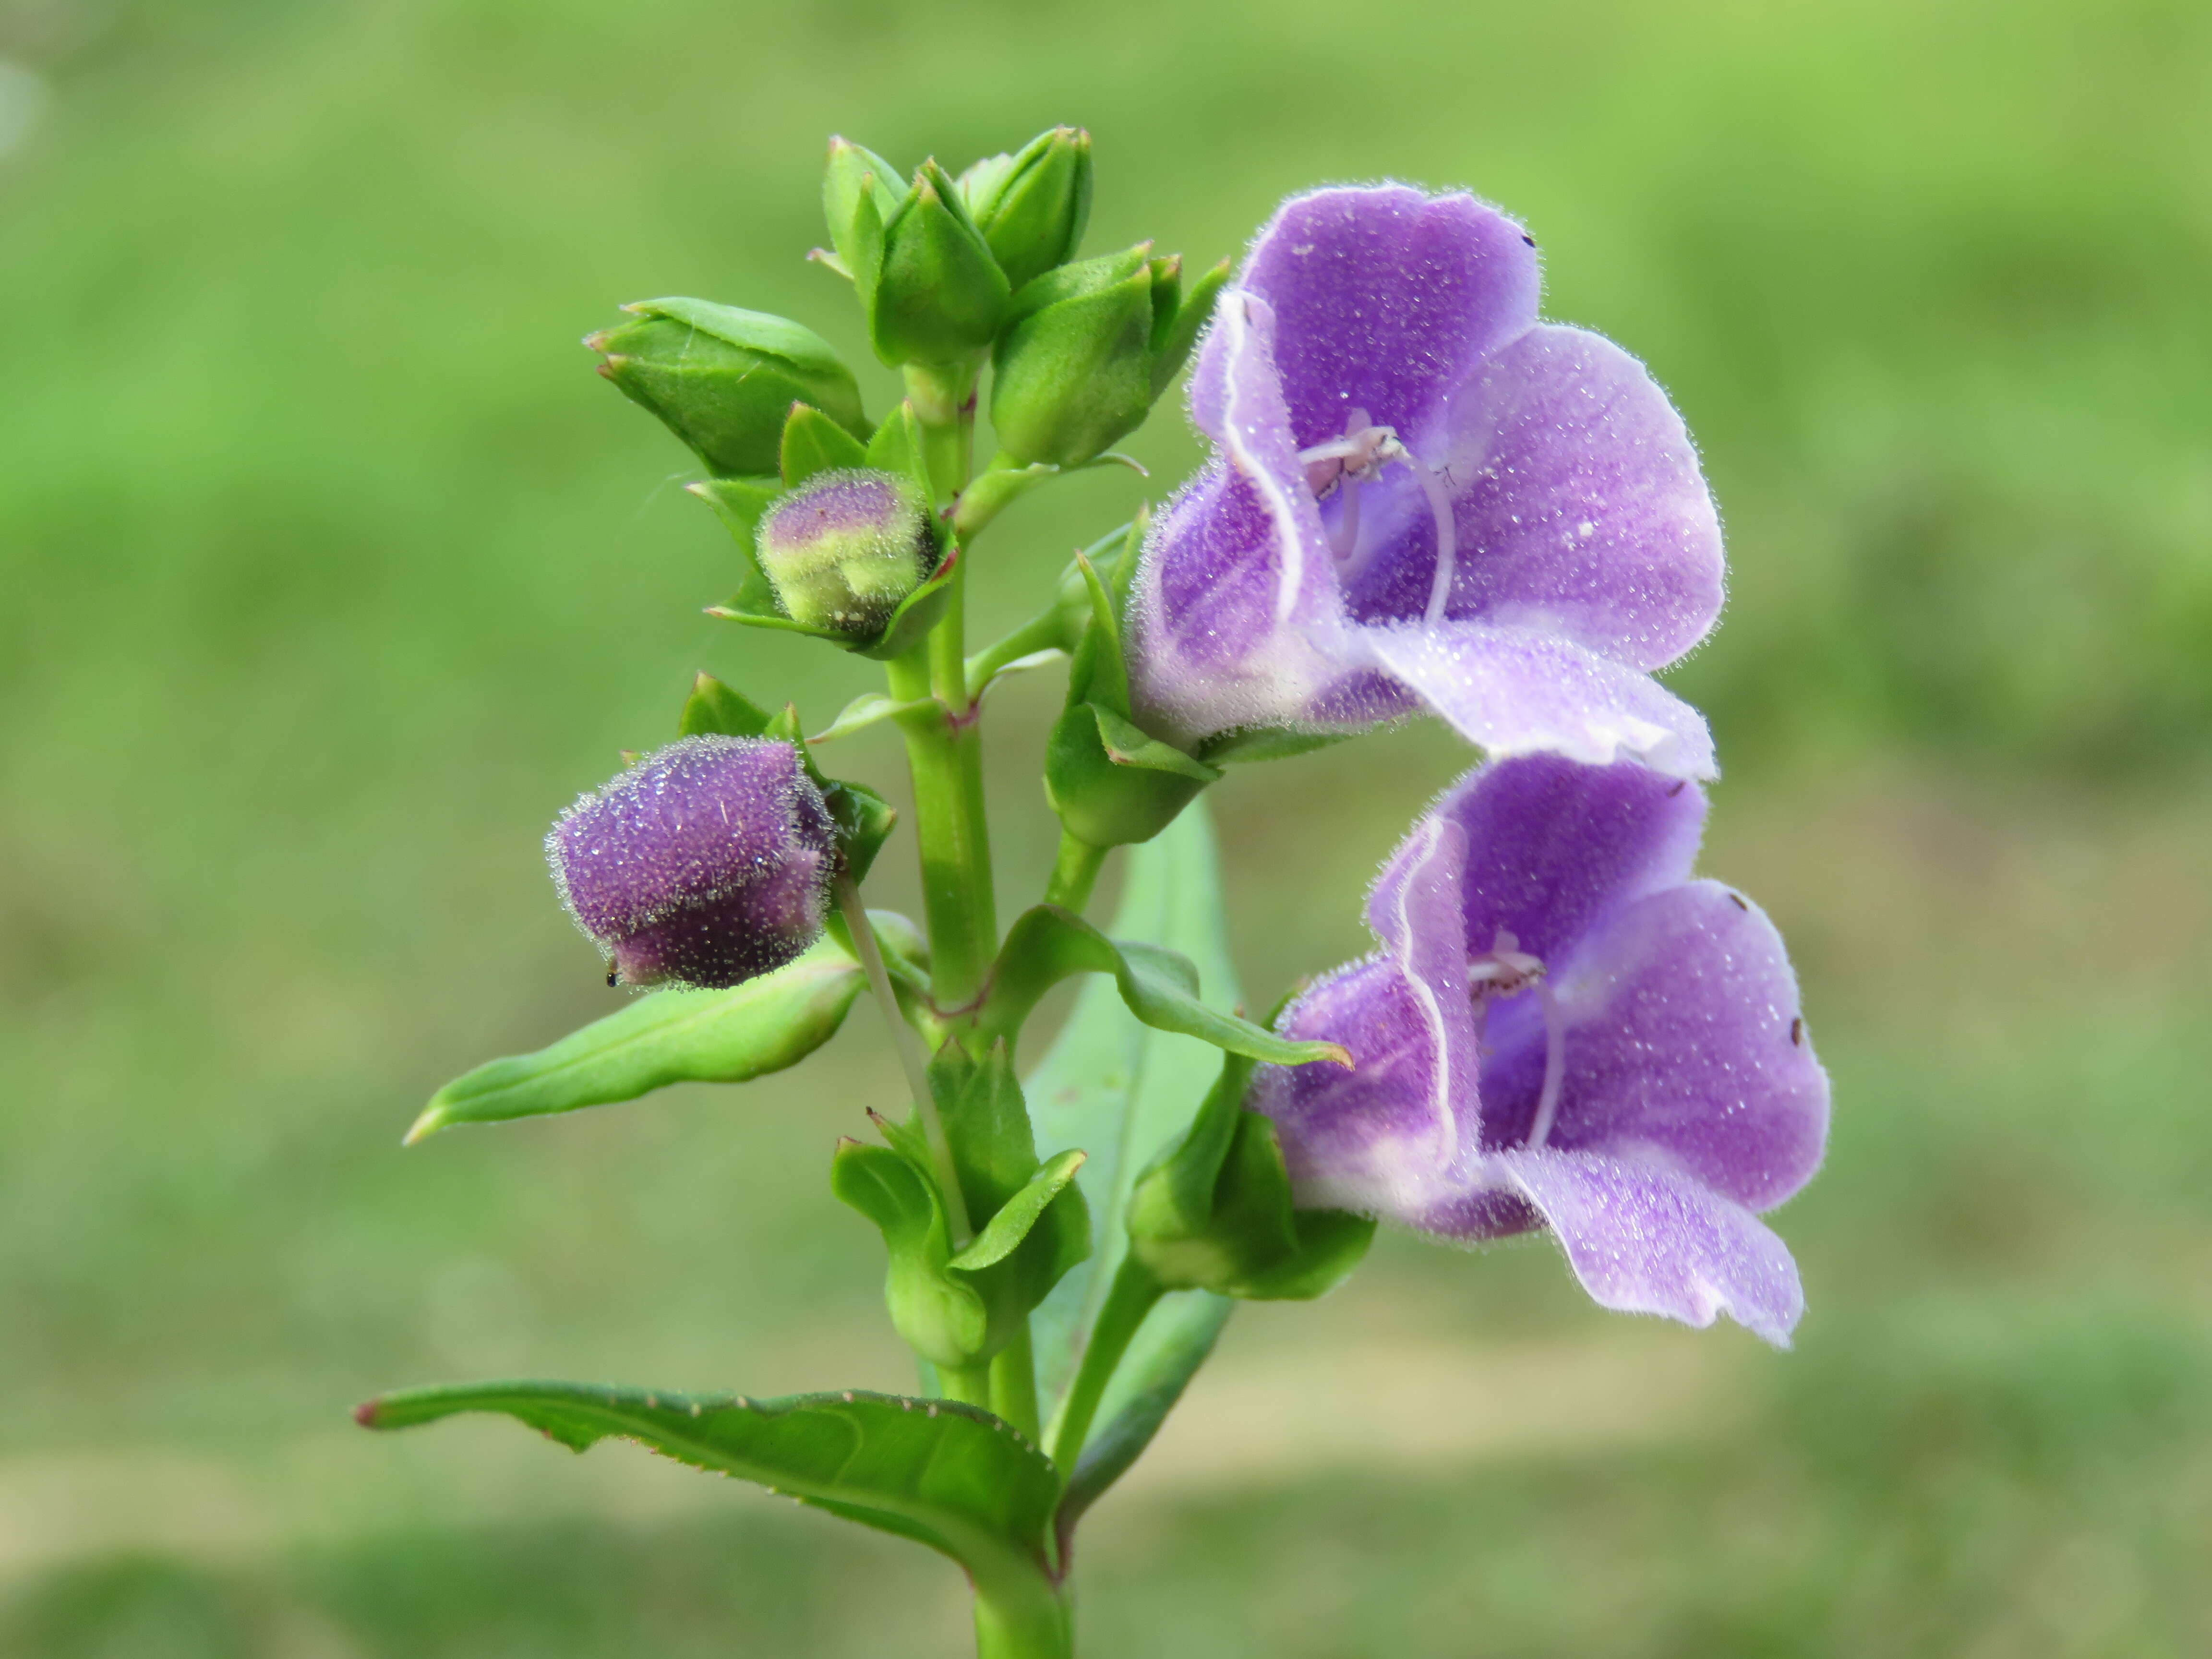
1684	1040
1578	507
1645	1239
1518	690
1237	619
1387	298
1555	847
1394	1134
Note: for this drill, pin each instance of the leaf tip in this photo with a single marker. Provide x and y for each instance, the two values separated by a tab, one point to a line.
365	1415
432	1120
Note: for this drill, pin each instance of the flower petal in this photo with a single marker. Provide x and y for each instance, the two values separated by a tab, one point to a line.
1518	690
1683	1040
1394	1134
1386	298
1555	847
1237	616
1578	505
1645	1239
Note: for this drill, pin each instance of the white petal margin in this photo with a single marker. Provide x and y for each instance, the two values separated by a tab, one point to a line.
1523	691
1643	1239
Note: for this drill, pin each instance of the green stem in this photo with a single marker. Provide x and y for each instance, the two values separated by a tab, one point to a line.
970	1385
1032	1624
1013	1384
1131	1298
1075	873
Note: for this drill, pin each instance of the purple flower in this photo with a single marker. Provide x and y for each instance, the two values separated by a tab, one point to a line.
708	862
1562	1028
1424	496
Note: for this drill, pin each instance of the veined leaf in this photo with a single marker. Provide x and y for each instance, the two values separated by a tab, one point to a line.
947	1475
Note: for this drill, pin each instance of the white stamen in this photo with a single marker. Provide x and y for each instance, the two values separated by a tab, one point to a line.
1359	457
1505	969
1440	509
1555	1068
1344	540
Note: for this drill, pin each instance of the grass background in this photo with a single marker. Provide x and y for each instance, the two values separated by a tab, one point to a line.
330	574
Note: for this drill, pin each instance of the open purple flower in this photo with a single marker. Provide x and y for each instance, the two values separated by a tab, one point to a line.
1422	496
1562	1028
707	863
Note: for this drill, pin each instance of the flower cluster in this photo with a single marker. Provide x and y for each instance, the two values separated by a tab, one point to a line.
1421	498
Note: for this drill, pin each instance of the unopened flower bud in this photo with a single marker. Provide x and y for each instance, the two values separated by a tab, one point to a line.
844	548
1087	349
1031	207
723	379
939	295
707	863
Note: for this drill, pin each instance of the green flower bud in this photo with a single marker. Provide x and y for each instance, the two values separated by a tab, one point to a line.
724	379
843	549
1088	349
1032	207
938	295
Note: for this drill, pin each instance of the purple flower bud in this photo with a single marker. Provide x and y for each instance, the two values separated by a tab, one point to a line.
1562	1029
844	548
707	863
1422	496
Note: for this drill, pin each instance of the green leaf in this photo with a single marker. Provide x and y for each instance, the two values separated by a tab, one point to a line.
713	708
1123	1091
1174	1341
1018	1215
729	1035
813	443
1047	944
947	1475
867	709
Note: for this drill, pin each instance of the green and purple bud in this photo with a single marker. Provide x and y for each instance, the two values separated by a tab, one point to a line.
1087	351
723	379
845	548
1032	207
707	863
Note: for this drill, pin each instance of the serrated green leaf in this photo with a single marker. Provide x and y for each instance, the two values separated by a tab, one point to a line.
1123	1091
1018	1215
947	1475
728	1036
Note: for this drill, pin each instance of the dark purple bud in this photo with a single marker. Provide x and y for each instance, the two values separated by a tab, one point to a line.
707	863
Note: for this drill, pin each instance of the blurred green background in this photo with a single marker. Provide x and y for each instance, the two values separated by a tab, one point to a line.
331	573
